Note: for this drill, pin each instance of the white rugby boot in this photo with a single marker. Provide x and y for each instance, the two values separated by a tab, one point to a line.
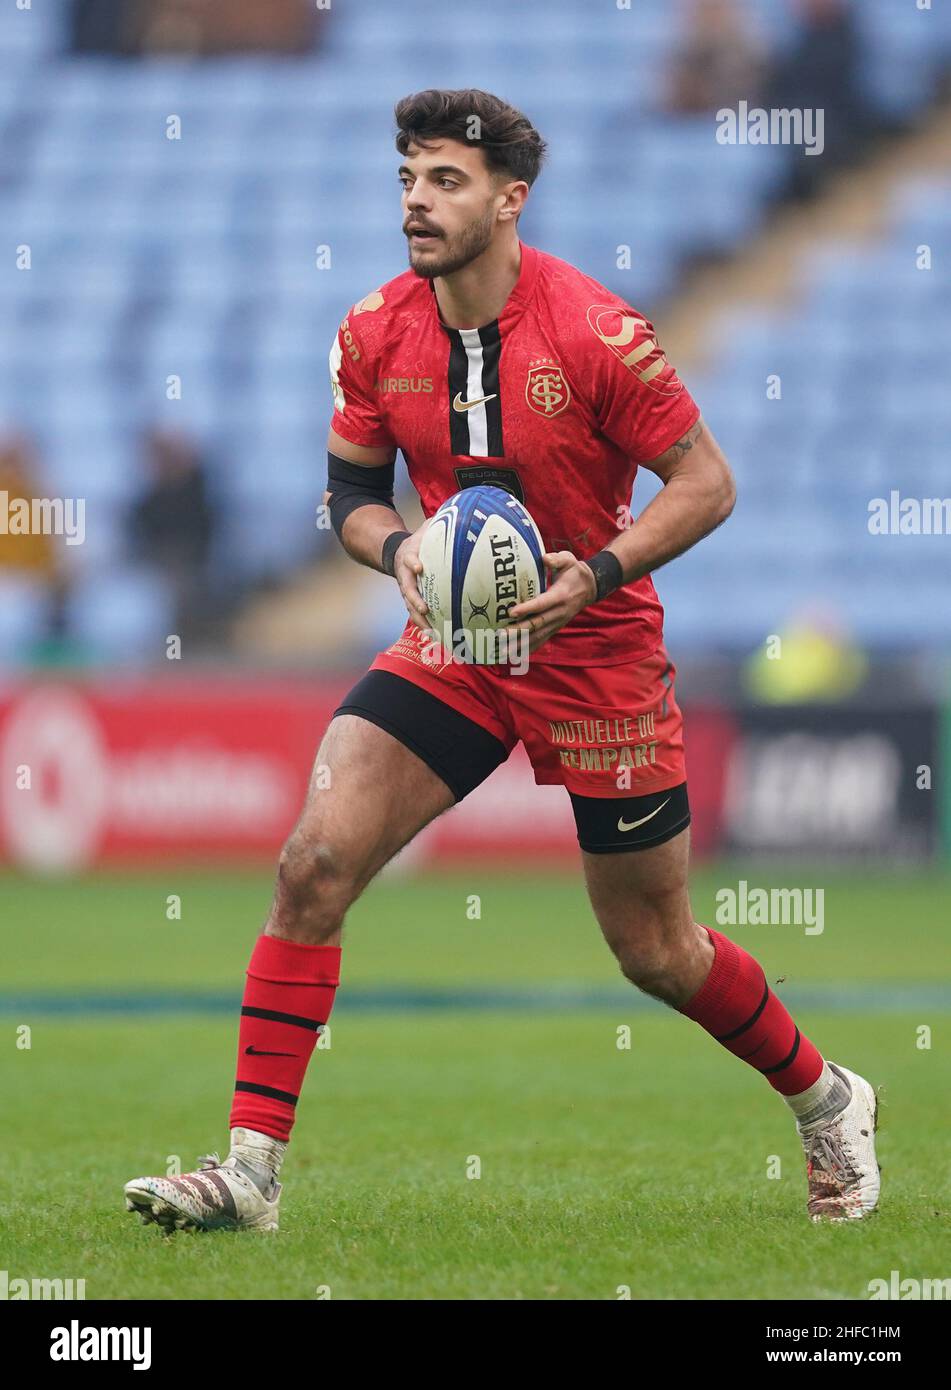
841	1165
218	1196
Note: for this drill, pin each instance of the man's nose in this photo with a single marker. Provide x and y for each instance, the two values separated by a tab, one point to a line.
416	195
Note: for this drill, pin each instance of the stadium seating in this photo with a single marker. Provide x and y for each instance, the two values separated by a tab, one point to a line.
195	257
865	409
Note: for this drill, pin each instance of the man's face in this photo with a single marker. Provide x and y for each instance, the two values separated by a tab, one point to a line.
450	206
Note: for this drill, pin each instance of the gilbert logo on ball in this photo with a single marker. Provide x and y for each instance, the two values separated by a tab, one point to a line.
481	555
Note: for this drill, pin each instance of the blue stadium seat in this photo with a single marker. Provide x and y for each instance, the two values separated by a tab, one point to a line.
24	606
122	614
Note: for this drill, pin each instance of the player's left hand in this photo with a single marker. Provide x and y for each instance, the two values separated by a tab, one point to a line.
573	588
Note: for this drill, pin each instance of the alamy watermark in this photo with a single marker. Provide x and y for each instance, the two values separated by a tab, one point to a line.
771	907
43	516
895	1287
895	515
78	1343
15	1289
479	646
779	125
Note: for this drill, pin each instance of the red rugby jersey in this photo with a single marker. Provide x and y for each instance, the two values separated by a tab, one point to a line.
558	401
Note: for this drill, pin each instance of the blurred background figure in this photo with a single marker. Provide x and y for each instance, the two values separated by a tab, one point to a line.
172	525
34	583
813	659
195	26
823	70
718	61
33	555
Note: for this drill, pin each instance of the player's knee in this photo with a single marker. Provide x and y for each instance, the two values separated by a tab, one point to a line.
651	952
651	966
314	877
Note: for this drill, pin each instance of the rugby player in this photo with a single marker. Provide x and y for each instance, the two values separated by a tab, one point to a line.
489	361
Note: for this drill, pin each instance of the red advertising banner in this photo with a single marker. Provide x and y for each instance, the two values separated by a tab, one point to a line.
130	770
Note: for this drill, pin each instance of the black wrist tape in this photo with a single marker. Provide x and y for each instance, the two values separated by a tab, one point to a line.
390	546
607	571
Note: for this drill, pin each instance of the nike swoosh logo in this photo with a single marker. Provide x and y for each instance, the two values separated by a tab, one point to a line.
256	1052
632	825
459	404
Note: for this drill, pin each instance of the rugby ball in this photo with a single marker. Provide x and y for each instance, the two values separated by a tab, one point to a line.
481	555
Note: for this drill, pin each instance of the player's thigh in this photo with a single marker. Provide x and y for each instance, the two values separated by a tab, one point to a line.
368	796
641	894
396	755
613	738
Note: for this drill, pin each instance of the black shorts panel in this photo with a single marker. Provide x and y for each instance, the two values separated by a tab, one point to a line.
611	825
455	747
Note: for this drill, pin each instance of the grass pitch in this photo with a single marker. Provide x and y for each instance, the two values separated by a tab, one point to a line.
470	1152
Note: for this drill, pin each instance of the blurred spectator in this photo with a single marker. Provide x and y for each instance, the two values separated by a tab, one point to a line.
821	71
33	554
814	660
34	585
196	26
103	26
719	63
172	525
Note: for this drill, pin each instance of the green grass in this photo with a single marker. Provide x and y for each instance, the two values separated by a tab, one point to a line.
599	1167
112	932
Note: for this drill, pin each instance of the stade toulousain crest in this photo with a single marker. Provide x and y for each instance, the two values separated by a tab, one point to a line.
631	338
546	389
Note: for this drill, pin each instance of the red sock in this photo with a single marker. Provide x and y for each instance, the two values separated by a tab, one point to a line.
737	1006
287	1002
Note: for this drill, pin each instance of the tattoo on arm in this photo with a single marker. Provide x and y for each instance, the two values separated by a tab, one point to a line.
683	446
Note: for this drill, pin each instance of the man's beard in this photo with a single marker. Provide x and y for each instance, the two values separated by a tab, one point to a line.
457	253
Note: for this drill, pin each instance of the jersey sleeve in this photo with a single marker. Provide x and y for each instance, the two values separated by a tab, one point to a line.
356	414
641	403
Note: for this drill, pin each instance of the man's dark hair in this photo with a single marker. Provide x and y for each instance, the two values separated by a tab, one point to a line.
508	140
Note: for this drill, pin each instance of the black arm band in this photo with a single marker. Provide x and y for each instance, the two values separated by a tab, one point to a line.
607	571
390	546
351	486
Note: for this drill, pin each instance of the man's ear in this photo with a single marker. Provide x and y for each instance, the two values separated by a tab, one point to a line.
514	201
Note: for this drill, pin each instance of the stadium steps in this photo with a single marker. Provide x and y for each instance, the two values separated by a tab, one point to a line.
767	271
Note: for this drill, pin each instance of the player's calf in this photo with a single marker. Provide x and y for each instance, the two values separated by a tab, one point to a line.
644	913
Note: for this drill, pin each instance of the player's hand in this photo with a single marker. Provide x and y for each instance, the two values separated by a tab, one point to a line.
573	589
407	567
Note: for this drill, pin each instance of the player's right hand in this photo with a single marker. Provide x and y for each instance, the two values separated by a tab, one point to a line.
407	567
